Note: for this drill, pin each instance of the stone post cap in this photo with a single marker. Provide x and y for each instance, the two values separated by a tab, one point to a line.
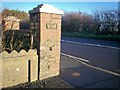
11	18
47	9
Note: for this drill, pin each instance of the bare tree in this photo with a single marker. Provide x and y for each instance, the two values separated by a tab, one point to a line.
106	21
76	22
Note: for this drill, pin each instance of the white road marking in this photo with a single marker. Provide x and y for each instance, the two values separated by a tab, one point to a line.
83	61
90	44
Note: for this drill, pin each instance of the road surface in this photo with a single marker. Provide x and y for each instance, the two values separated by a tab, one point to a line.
97	53
102	69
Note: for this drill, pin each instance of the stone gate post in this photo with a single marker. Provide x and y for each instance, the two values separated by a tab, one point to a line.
10	23
46	21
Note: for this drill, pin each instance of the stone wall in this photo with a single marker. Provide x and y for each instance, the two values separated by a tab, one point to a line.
27	66
18	67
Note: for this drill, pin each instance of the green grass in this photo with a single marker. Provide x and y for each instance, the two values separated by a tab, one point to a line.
93	36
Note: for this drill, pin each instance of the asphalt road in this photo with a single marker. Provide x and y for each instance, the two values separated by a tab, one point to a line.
105	57
99	53
93	41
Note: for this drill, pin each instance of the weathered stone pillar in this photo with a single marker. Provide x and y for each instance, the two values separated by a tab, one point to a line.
10	23
46	21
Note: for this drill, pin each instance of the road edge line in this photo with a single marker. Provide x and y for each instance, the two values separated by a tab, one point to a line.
84	60
95	45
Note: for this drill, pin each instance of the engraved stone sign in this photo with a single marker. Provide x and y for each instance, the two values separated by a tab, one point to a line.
51	25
